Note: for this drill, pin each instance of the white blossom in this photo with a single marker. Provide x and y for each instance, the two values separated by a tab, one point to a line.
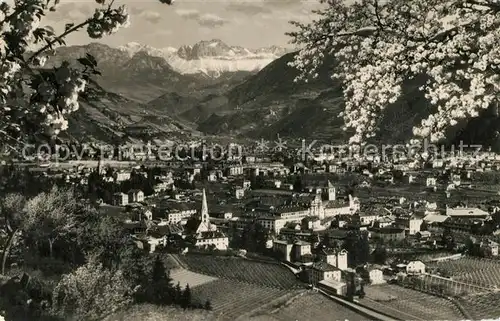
456	49
48	102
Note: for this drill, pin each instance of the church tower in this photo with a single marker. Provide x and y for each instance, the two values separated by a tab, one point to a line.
316	208
332	193
204	209
205	225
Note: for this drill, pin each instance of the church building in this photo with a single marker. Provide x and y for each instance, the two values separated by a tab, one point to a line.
325	203
207	235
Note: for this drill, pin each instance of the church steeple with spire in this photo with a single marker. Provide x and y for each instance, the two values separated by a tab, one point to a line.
207	235
205	225
204	208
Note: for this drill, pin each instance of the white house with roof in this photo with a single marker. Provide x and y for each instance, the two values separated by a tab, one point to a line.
121	176
135	196
283	249
120	199
175	216
336	258
323	271
385	221
336	207
367	218
301	248
415	267
431	182
414	225
283	215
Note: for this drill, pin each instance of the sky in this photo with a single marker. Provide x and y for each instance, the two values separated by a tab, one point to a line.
247	23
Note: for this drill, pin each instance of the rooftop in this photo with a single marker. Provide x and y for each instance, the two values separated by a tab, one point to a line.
272	192
324	267
435	218
336	204
464	211
388	230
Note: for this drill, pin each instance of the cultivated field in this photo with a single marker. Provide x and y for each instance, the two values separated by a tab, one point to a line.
150	312
310	306
444	286
231	299
419	192
407	304
185	277
484	306
237	269
481	272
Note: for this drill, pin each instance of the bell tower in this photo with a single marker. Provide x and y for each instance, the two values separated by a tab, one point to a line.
204	209
332	193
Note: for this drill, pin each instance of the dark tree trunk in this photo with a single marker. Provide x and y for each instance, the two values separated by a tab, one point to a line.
51	246
6	249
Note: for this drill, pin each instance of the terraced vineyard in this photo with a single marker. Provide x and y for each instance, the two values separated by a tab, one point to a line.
185	277
310	306
237	269
407	304
482	307
481	272
231	299
445	286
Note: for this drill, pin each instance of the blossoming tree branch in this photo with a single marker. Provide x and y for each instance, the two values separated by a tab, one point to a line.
453	45
37	101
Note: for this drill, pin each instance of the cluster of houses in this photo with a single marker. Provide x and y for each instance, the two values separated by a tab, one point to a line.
279	207
328	268
226	199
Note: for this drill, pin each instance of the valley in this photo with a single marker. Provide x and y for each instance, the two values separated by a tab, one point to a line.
146	87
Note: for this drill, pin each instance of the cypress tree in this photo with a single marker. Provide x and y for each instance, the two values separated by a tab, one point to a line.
178	293
186	298
162	289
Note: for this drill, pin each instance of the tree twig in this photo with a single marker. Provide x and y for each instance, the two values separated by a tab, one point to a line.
58	38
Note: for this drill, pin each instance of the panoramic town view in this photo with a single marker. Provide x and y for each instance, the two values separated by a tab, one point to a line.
262	160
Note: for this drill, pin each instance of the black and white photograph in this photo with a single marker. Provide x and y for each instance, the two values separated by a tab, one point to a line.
249	160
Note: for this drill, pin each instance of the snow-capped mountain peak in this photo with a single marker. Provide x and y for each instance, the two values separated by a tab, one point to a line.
133	47
211	57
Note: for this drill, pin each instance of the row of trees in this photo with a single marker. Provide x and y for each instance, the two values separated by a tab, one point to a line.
99	188
253	238
427	285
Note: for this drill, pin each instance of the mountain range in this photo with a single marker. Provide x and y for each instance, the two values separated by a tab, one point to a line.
141	89
212	58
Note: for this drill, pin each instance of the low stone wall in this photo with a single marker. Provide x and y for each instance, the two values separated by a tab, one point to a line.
447	258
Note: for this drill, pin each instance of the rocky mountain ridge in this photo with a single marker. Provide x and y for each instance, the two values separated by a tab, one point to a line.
242	104
141	76
210	57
